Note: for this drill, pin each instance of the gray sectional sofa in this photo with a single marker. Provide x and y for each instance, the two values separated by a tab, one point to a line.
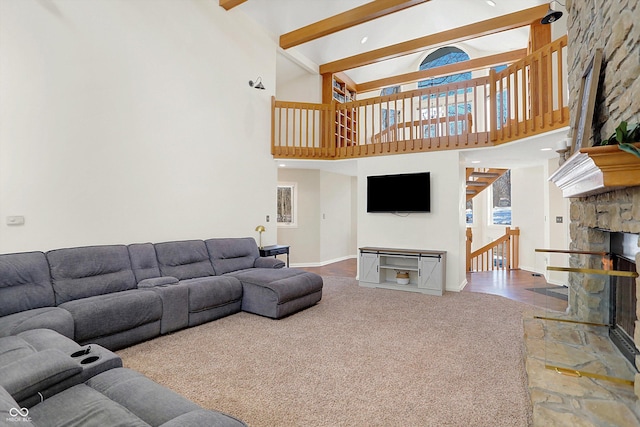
56	305
49	380
119	295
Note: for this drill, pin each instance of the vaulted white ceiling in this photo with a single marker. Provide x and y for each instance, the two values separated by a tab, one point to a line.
278	17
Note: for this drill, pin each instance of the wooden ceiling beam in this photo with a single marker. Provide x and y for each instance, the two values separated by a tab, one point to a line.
350	18
456	35
445	70
230	4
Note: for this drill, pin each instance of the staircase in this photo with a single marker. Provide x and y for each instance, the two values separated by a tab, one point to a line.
501	254
480	178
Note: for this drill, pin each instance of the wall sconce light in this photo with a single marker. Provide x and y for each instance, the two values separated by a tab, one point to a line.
552	15
258	83
562	148
260	229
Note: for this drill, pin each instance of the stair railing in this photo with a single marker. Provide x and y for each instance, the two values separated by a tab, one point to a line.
501	254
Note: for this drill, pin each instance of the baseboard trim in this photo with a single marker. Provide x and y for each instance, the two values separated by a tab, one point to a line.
323	263
461	287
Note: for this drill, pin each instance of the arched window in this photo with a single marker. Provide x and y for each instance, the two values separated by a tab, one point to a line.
444	56
435	110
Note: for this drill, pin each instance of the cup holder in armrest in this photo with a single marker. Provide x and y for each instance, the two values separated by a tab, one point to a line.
82	352
89	359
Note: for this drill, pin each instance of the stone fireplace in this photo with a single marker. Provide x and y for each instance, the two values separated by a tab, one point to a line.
614	28
606	223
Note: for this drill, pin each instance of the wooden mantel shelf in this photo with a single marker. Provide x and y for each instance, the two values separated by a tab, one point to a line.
597	170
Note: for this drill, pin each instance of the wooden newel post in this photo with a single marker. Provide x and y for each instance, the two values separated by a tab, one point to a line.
469	241
514	237
273	125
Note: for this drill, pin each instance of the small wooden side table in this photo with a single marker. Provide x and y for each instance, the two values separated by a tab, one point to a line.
274	250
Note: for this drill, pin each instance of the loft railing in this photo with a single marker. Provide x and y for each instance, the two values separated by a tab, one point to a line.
501	254
525	99
530	95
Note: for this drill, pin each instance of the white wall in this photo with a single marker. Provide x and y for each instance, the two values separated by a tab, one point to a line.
326	217
304	238
295	83
336	241
528	213
441	229
557	233
127	121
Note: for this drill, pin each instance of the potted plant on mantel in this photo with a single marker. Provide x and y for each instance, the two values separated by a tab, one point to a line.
604	167
627	139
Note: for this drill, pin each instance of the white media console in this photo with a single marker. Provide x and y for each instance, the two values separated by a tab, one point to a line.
426	268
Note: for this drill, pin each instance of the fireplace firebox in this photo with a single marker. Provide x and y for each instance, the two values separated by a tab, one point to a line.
623	302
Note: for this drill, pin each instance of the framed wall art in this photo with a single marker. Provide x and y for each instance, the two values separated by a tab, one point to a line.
586	102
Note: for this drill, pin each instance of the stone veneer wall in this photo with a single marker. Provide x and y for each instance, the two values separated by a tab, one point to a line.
614	27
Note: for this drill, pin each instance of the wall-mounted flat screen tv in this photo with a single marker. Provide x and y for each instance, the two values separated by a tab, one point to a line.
410	192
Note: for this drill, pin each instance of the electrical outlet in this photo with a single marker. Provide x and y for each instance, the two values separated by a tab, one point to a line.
559	220
267	218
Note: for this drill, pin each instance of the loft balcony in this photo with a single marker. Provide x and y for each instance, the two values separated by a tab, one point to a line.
527	98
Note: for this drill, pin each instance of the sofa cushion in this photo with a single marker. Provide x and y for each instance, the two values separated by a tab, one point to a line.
14	348
82	406
209	292
286	283
54	318
143	261
278	293
158	282
37	371
232	254
122	385
42	339
104	315
185	259
24	282
89	271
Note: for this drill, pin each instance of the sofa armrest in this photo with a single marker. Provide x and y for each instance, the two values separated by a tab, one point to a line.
37	371
268	262
157	281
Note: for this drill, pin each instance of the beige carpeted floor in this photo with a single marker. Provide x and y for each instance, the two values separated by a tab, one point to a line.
361	357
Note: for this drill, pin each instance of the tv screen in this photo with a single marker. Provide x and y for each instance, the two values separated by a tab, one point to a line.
409	192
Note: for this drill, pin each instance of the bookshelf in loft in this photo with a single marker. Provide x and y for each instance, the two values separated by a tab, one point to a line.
340	88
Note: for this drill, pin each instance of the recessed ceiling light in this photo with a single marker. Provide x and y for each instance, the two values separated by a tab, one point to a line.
491	3
282	165
475	162
546	149
364	40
